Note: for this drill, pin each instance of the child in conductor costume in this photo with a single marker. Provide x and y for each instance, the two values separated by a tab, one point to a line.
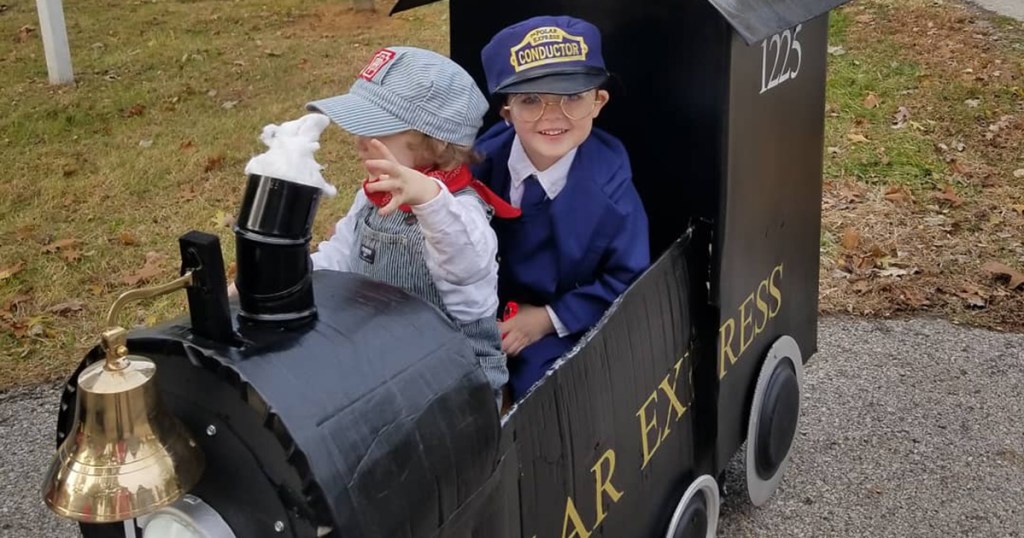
582	238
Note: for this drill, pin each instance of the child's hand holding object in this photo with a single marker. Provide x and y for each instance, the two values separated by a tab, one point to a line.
530	324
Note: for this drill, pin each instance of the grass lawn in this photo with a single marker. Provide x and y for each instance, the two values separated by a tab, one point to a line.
923	176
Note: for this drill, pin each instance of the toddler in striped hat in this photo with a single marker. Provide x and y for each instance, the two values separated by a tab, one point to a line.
421	221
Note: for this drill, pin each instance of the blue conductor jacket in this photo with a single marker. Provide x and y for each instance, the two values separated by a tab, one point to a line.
575	253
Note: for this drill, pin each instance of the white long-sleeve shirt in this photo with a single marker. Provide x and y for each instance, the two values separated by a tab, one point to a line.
460	249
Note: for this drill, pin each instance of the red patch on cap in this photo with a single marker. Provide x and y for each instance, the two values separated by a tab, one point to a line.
379	60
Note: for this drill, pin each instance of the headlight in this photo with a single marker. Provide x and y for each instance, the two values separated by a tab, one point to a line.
189	517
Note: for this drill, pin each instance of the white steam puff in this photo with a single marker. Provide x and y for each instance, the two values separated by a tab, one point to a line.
290	154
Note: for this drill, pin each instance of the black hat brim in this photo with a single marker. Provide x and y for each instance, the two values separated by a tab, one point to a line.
558	83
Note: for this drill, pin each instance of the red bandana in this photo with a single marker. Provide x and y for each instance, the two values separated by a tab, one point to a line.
456	180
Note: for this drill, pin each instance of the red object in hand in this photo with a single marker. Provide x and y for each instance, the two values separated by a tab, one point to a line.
511	309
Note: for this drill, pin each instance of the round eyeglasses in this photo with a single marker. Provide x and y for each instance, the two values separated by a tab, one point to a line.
531	106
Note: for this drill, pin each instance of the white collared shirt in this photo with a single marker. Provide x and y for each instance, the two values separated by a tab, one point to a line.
552	180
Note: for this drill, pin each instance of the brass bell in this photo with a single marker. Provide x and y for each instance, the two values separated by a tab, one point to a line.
125	455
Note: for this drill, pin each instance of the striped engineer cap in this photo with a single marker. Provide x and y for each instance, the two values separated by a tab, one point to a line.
404	88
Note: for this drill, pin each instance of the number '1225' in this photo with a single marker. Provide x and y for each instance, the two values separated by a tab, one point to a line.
783	45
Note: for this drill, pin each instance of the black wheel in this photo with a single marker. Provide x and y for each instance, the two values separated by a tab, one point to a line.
774	417
696	515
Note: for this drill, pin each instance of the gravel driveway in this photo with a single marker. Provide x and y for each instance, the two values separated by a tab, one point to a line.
910	429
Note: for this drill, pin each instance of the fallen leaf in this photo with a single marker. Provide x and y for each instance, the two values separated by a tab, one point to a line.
66	308
25	32
972	297
836	51
995	128
134	110
957	167
851	239
149	270
893	272
1018	173
228	105
13	305
972	103
186	145
145	143
213	162
949	195
127	238
1000	270
871	101
60	245
896	194
8	272
857	138
900	118
914	298
36	330
222	219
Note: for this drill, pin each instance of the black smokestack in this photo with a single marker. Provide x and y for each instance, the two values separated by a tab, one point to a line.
274	226
272	234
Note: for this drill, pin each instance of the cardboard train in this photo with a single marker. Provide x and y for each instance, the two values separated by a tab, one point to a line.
324	404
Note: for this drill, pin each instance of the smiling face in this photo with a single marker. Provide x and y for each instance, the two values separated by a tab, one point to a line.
550	126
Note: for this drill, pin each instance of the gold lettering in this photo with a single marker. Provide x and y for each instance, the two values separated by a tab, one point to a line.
673	399
725	346
578	529
646	427
762	306
774	290
604	485
744	321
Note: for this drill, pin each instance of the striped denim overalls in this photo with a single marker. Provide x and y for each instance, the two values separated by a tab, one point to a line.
389	249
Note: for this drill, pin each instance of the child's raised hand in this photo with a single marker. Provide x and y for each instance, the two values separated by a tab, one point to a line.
530	324
405	185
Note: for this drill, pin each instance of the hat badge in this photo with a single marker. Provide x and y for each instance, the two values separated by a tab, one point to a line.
547	45
379	60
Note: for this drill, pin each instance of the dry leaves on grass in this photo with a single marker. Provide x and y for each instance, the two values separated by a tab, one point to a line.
63	244
151	269
63	309
1002	271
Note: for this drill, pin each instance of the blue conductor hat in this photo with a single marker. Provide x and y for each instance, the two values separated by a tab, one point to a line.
558	55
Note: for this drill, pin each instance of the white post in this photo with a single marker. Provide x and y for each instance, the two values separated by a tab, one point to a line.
55	41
